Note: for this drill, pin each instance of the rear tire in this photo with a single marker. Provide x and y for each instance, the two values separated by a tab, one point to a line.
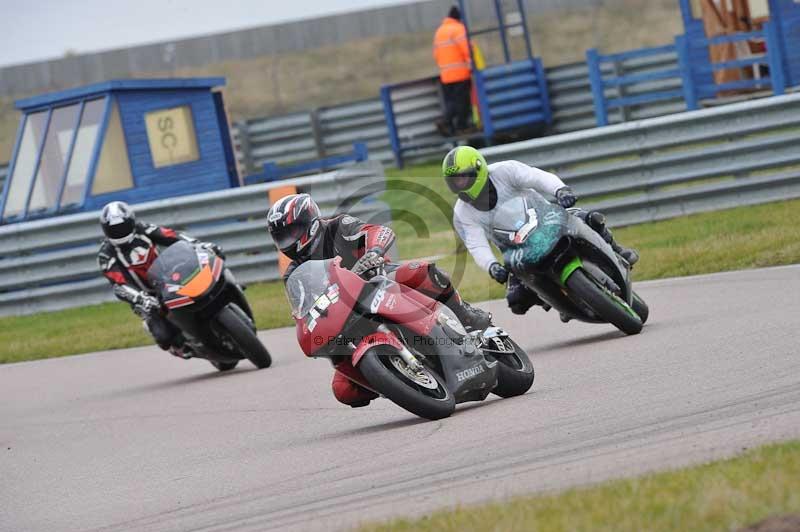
223	366
605	304
377	367
245	339
515	373
640	307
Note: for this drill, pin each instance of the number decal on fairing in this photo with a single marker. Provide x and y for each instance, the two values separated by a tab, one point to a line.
516	257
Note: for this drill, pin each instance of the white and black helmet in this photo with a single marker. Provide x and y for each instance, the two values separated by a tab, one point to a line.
118	222
293	222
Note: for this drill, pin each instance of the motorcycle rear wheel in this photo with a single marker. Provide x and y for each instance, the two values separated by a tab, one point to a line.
515	373
382	366
245	339
606	304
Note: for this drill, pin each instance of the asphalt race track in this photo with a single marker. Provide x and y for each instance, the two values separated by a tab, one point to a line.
138	440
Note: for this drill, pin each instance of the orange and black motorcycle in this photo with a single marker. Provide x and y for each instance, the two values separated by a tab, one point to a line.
204	301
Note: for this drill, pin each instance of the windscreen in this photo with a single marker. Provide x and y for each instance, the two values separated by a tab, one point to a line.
307	285
175	265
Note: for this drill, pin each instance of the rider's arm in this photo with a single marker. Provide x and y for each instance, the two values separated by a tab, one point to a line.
164	236
474	238
375	237
112	270
523	176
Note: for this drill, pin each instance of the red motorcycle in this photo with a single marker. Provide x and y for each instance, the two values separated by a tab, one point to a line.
403	345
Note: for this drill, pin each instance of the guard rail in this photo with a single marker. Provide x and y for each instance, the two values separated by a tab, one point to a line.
659	168
51	264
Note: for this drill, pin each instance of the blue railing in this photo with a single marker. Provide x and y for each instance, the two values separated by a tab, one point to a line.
513	96
273	172
599	84
510	96
698	76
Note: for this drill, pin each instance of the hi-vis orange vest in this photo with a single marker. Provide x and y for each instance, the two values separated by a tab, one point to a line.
451	51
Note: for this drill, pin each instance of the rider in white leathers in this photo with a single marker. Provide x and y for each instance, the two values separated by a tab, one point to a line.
482	187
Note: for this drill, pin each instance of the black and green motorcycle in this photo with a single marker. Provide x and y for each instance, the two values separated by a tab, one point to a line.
567	263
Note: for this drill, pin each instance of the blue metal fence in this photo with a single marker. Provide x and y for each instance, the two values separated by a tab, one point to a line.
274	172
510	96
640	86
692	80
698	75
513	95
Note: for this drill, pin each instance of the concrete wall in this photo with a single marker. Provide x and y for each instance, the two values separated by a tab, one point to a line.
243	44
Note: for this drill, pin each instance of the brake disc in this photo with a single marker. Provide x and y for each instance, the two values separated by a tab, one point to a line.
422	376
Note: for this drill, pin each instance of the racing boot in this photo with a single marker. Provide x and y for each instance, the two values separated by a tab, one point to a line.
597	221
472	317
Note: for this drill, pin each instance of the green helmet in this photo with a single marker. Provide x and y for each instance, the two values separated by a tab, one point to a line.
466	172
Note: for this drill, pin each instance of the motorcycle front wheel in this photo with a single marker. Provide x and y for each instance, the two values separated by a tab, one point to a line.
244	338
423	393
515	372
223	366
604	303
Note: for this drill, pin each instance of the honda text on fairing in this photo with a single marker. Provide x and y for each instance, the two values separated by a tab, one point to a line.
403	345
567	263
205	302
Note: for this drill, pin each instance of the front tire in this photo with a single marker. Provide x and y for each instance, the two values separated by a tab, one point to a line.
223	366
640	307
604	303
387	373
515	373
244	338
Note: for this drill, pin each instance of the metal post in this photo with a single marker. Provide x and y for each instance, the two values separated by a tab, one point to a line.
686	13
316	133
528	47
596	80
483	103
775	57
685	65
391	124
502	27
465	20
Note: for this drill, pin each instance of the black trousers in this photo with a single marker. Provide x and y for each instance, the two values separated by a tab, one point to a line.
457	105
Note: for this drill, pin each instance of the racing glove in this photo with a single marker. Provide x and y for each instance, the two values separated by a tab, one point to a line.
214	248
371	260
565	197
498	273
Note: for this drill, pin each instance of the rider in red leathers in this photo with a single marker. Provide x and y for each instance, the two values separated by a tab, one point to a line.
301	233
125	256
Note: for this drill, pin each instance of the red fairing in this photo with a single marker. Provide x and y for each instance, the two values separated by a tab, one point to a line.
410	308
378	338
378	236
330	326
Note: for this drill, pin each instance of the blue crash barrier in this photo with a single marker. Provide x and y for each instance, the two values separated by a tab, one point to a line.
695	72
273	172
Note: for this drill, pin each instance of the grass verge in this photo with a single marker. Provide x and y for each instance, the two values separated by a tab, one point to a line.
745	237
722	495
